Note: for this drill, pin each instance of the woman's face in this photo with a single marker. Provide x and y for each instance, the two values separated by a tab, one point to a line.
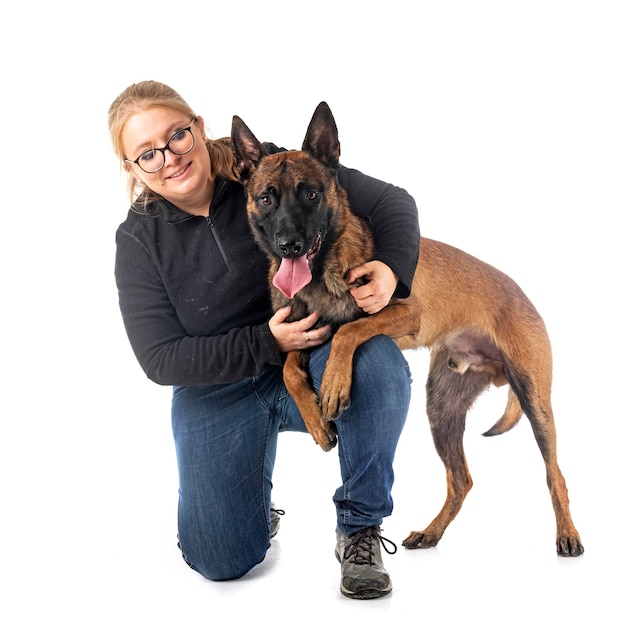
185	179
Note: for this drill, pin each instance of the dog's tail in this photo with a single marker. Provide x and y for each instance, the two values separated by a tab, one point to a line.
509	419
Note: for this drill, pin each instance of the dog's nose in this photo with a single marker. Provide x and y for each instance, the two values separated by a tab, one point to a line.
290	248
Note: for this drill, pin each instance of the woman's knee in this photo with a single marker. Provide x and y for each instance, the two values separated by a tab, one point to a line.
220	564
381	360
381	380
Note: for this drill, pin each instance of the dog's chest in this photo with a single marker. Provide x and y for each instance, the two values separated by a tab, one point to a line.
336	308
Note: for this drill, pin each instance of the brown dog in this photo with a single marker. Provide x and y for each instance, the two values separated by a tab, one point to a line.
479	325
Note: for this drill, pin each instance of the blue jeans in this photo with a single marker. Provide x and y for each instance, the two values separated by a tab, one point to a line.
226	436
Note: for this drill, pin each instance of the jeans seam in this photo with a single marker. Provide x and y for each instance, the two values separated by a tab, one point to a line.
269	425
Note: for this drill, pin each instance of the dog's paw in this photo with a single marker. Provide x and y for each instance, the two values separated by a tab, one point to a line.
333	410
569	546
330	444
325	436
417	541
333	401
335	392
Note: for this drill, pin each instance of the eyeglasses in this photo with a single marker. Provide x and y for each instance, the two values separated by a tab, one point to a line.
181	142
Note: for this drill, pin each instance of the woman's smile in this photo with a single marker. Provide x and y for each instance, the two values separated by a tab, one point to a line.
179	173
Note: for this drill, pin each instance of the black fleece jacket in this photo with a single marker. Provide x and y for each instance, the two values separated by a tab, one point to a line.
193	291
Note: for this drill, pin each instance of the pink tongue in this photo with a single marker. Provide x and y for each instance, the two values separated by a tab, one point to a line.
293	276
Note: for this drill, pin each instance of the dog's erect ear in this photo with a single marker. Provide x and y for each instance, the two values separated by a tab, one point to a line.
322	137
247	150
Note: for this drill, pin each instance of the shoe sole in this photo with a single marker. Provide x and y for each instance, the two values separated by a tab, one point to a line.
365	594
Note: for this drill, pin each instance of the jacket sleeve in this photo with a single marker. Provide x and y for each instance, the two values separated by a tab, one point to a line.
165	351
393	218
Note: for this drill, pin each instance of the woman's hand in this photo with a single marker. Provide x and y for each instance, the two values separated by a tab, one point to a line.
379	288
297	335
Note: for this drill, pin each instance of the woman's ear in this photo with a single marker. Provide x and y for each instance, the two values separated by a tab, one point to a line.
201	125
128	169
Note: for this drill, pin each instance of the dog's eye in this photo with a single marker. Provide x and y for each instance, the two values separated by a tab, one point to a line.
267	197
312	194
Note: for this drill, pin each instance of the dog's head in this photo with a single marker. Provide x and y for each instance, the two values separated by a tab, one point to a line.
292	196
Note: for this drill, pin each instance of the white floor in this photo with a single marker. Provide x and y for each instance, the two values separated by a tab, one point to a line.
95	544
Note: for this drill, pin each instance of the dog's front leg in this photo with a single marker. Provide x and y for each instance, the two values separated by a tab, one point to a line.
395	321
299	386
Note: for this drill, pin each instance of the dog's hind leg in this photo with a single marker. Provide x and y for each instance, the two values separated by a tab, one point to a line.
450	394
536	403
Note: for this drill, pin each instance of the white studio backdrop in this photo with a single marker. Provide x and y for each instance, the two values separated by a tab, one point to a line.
500	118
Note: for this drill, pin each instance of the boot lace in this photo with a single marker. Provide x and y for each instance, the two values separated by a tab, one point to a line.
361	549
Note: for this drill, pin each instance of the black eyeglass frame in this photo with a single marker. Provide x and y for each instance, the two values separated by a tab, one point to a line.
166	147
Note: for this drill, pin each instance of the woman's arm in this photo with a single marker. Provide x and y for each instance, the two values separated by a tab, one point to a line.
166	352
393	218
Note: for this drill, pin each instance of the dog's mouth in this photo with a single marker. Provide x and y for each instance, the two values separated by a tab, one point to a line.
296	272
314	248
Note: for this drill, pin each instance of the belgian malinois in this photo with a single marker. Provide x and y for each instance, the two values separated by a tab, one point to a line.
477	322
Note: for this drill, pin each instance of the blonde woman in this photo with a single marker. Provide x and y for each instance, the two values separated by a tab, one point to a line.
195	304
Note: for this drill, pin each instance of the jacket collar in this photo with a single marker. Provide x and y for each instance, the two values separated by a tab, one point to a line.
173	215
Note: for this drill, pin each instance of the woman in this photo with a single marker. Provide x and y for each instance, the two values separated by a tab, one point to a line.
195	303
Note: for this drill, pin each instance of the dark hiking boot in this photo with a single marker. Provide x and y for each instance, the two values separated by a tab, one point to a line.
363	575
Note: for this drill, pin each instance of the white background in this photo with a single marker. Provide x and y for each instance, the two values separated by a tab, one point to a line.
500	118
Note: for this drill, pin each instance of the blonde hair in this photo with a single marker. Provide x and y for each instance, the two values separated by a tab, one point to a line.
145	95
